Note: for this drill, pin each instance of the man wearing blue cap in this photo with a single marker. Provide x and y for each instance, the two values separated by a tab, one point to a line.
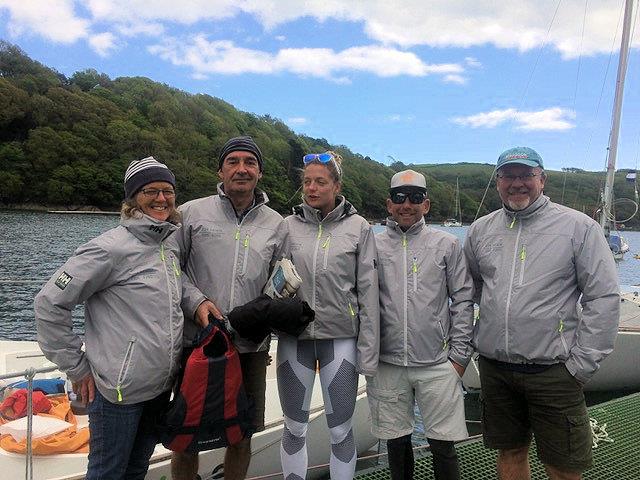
531	262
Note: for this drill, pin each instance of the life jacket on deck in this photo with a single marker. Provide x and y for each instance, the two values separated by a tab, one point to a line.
211	409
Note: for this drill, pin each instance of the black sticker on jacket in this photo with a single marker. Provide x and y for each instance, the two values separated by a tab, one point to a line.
63	280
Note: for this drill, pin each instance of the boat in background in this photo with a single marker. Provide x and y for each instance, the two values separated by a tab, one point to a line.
17	356
457	211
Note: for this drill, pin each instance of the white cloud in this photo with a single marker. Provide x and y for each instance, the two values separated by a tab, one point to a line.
297	121
472	62
398	118
555	118
184	12
103	43
280	38
452	78
54	20
140	28
224	57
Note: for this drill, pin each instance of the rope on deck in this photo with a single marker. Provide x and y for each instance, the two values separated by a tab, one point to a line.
599	433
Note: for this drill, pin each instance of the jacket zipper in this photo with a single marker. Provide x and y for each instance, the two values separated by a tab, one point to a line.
560	331
325	247
523	258
406	296
511	279
414	269
444	337
235	266
313	277
176	274
245	244
126	362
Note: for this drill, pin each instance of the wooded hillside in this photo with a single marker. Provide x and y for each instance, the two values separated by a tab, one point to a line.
67	141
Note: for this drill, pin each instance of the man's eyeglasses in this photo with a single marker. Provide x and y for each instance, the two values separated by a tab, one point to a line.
414	197
154	192
512	178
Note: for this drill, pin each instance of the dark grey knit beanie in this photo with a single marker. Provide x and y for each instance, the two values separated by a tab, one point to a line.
142	172
240	144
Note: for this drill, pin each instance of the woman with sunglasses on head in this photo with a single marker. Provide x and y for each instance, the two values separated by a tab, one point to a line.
334	252
129	281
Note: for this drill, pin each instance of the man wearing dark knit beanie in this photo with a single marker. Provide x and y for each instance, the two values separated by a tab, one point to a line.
230	242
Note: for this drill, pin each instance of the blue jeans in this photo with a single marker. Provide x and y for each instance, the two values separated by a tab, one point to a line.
122	437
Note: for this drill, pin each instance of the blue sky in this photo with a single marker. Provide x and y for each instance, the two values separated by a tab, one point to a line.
419	81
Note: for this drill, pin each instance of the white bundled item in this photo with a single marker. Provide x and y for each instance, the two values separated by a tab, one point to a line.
41	427
284	280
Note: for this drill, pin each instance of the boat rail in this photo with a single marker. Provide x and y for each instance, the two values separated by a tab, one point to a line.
29	375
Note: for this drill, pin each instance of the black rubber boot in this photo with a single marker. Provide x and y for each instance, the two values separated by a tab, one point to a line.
400	453
445	460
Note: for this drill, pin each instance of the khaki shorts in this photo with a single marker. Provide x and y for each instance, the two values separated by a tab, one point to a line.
549	404
437	389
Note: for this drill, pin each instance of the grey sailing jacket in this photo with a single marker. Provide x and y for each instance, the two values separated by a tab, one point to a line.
336	258
420	271
228	260
131	285
531	268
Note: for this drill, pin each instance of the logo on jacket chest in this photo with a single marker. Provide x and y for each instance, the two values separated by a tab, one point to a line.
211	232
494	245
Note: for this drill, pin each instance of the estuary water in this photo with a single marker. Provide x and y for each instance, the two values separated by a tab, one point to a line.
33	245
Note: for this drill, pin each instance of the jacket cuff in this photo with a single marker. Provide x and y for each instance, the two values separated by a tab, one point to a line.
462	360
572	367
80	371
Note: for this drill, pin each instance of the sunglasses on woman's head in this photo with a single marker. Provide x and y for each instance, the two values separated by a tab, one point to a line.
321	157
414	197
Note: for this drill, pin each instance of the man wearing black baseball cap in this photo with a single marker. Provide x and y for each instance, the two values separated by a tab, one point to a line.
230	242
532	261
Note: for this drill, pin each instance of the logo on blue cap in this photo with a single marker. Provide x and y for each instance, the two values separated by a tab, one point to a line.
521	155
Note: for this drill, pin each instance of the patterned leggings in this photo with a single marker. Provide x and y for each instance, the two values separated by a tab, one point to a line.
336	359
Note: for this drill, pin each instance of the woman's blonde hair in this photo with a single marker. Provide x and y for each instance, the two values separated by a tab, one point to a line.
334	166
131	209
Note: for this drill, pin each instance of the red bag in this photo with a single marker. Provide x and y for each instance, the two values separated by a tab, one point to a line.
212	409
15	405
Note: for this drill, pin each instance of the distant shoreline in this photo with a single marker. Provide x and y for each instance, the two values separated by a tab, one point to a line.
59	209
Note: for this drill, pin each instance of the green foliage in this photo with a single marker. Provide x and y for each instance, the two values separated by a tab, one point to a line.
68	141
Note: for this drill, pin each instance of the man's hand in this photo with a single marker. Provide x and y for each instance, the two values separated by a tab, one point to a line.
85	389
459	368
203	311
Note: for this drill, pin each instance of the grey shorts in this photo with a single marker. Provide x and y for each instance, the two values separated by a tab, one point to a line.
437	389
549	405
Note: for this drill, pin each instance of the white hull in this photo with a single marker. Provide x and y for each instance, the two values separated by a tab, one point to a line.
265	459
620	370
451	223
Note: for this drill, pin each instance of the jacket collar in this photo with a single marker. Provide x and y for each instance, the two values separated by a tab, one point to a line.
536	207
147	229
394	228
309	214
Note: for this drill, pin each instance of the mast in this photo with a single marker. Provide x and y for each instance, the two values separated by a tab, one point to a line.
605	217
458	209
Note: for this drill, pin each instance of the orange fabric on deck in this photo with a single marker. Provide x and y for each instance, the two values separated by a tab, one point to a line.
71	440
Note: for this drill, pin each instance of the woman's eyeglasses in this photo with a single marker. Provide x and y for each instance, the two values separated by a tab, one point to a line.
154	192
414	197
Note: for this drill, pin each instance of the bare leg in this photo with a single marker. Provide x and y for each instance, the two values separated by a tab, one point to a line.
236	460
555	474
513	464
184	466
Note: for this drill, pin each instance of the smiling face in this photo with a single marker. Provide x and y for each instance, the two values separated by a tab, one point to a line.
319	188
407	213
517	188
239	172
157	206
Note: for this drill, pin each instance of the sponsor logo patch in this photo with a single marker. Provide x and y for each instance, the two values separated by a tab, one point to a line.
63	280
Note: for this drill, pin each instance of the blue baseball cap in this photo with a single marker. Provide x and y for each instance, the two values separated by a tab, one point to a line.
522	155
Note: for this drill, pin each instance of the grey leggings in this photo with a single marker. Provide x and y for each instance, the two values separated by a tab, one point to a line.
297	363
